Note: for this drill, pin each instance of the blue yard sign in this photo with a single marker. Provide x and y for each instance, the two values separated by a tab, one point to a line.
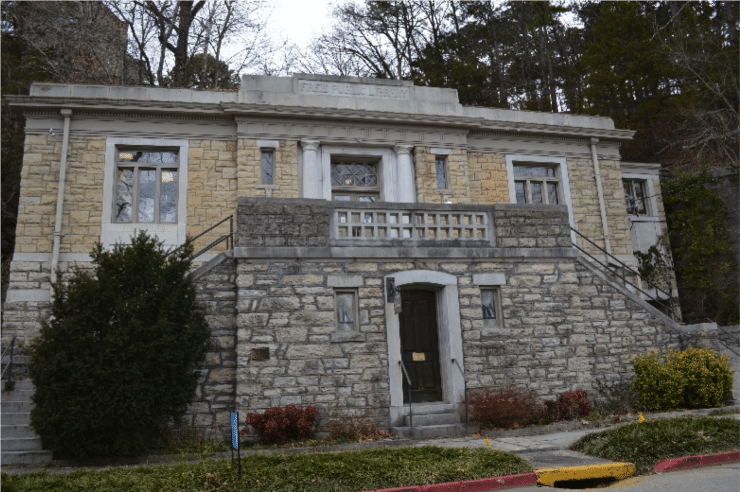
235	440
235	430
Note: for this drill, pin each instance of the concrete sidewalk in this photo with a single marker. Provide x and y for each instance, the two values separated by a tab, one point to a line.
543	448
541	451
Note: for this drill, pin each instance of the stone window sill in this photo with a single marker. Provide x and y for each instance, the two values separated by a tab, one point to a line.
347	336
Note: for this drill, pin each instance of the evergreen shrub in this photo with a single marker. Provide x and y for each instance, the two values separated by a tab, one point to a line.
693	378
118	359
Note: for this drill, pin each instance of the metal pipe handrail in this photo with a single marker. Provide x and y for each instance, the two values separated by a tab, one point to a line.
408	380
730	335
213	244
465	383
229	238
9	366
623	278
621	263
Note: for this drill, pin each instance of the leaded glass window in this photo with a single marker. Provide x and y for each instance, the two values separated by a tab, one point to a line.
537	184
268	166
147	186
355	181
440	164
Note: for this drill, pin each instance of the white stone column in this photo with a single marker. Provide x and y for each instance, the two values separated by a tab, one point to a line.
312	175
405	175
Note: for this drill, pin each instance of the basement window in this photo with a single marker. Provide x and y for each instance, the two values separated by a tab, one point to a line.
345	302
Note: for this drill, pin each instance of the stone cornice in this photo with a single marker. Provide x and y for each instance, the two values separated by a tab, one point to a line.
164	109
114	106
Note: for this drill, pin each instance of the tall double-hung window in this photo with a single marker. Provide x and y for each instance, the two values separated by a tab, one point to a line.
146	186
537	184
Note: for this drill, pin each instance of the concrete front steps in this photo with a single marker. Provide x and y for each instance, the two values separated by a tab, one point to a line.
20	446
432	420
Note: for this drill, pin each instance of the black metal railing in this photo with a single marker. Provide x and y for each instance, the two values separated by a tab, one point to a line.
462	373
8	368
408	381
727	334
228	238
656	299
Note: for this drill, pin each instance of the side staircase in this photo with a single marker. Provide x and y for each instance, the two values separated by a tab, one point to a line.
20	446
430	420
729	343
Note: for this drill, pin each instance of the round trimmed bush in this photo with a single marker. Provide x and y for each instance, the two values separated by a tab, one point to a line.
693	378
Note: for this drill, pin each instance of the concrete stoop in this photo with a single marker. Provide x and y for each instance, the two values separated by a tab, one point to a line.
428	421
20	446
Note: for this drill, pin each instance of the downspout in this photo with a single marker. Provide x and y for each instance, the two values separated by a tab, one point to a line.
67	113
600	193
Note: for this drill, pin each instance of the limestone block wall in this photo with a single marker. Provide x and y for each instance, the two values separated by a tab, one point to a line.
212	182
212	188
249	170
83	197
586	210
22	318
214	399
286	310
488	179
39	185
282	223
528	226
563	328
458	187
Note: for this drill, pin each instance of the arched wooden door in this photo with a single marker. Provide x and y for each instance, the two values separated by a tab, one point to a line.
420	346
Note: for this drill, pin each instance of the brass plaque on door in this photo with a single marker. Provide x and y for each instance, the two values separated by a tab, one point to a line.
418	356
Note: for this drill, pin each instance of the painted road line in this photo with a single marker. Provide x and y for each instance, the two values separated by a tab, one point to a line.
548	476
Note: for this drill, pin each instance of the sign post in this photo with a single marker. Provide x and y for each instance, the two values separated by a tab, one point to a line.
235	440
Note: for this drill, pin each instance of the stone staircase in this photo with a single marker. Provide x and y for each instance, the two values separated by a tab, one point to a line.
434	420
19	445
728	344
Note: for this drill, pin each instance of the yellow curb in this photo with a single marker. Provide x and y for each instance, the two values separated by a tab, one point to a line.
548	476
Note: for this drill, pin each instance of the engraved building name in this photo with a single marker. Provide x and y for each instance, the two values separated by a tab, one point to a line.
362	90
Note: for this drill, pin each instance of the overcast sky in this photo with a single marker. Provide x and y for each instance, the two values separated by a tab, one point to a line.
301	20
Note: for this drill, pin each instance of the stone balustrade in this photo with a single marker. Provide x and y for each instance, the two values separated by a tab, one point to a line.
410	223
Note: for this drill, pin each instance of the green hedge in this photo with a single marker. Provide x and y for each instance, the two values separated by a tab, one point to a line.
693	378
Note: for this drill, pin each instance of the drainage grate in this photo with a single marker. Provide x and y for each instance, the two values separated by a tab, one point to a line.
587	483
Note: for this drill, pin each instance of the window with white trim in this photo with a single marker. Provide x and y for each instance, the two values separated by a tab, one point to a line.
537	184
345	302
491	305
635	196
146	186
355	180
